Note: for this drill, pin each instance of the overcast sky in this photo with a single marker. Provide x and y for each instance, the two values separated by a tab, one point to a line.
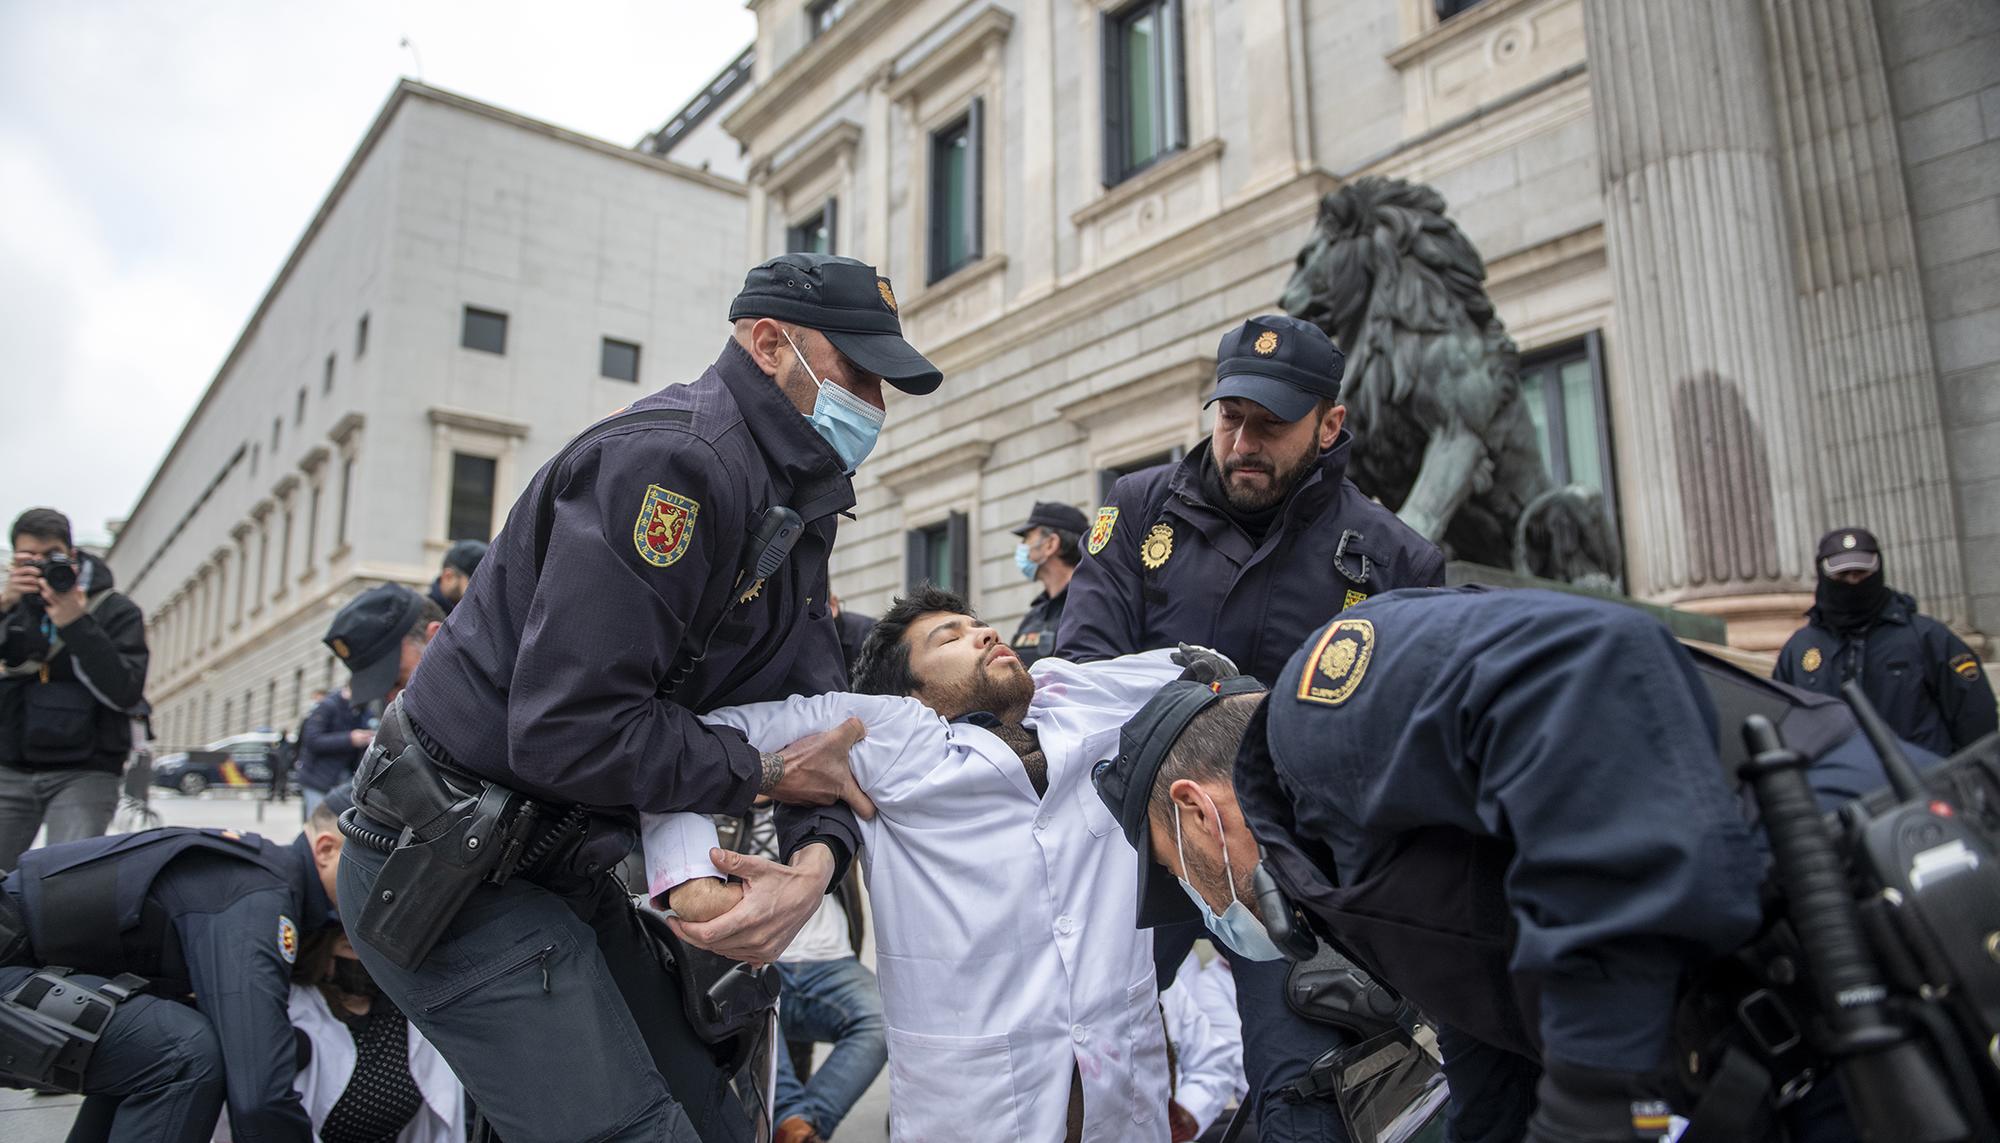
159	160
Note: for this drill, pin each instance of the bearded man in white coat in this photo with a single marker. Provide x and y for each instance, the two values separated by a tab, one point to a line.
1018	991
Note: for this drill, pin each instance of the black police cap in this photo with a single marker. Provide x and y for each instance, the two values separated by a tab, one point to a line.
465	555
1056	516
1280	362
1849	549
367	635
1125	783
848	302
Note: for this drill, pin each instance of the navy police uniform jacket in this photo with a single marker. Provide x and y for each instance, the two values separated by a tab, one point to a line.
327	753
1035	638
553	680
1924	681
206	912
1163	566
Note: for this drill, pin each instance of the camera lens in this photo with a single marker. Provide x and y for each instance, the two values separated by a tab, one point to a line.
59	573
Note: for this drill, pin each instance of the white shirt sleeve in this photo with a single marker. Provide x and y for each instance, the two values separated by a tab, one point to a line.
676	845
1208	1046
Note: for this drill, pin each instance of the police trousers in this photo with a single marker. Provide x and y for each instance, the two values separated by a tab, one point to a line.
155	1076
550	1006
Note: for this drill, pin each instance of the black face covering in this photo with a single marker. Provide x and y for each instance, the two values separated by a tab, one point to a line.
351	978
1852	606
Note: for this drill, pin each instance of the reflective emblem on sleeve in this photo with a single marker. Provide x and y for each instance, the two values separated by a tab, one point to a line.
665	526
1966	665
1100	529
288	940
1337	663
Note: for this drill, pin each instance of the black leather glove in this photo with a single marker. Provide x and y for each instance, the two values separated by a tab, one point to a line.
1585	1105
1203	664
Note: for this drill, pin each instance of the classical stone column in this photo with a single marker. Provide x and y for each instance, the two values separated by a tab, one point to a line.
1715	435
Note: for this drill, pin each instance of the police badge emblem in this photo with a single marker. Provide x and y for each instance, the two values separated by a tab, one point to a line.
1100	529
288	940
1159	545
1338	662
1810	660
888	295
1266	343
665	526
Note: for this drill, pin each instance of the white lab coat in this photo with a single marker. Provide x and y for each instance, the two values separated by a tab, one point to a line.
321	1082
1005	924
1208	1039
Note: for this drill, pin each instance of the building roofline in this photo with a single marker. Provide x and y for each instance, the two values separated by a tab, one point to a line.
405	90
697	110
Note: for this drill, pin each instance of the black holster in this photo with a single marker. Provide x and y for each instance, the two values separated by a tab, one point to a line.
50	1025
725	1001
454	833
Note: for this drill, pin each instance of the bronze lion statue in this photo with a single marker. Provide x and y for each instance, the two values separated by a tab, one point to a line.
1433	387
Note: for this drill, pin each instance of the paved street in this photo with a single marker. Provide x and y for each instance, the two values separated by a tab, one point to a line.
26	1118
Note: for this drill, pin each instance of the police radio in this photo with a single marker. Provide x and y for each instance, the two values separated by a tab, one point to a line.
1895	902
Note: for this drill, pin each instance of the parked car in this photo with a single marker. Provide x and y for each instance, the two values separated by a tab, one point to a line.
241	761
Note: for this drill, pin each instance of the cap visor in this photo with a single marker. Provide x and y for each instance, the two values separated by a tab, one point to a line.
1162	901
1286	402
373	681
890	358
1852	561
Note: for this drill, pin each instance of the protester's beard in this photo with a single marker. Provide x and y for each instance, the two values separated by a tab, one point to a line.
1848	606
1245	499
1002	688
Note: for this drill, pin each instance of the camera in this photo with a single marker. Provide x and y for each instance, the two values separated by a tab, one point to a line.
58	571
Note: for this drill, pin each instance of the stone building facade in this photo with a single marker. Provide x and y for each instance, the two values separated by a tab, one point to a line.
476	288
1747	249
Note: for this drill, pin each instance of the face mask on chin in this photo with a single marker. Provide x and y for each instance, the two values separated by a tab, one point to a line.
842	419
1237	926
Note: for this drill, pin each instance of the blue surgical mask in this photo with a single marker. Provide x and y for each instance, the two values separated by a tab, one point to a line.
1028	567
847	422
1237	927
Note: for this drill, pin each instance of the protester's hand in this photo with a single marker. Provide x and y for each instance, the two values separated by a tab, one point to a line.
813	771
1181	1122
23	579
703	899
1204	664
65	607
777	902
361	736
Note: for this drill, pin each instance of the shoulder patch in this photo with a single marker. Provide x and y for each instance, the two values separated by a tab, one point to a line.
1158	546
1966	665
1338	662
288	940
1810	661
665	526
1100	529
1351	598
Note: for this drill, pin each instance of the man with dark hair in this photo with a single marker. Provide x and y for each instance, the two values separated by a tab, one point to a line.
72	675
996	879
177	946
1048	554
1518	809
852	628
1924	681
460	561
670	559
380	635
1246	545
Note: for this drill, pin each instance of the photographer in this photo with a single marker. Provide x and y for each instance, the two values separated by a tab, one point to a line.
72	667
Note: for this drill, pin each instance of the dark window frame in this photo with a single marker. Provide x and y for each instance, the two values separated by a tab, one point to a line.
955	533
823	219
1170	91
1108	476
346	490
299	407
458	511
476	336
1588	348
973	124
312	526
822	15
326	380
361	337
604	350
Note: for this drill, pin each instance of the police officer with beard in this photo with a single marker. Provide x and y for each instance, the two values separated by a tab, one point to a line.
671	559
1247	545
1924	681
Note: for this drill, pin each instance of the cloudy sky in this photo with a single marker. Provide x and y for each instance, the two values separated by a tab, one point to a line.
158	161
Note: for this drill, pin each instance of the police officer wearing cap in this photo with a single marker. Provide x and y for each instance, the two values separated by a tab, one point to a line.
379	635
1518	809
176	947
1926	683
1048	554
669	560
455	574
1246	545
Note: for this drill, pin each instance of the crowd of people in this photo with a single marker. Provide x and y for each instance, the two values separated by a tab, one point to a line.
564	808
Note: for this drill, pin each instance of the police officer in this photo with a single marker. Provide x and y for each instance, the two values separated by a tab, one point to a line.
1515	808
1923	680
1245	546
455	574
670	559
141	921
1048	554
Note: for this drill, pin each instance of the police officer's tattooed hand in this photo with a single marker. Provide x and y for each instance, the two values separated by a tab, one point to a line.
813	771
777	902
